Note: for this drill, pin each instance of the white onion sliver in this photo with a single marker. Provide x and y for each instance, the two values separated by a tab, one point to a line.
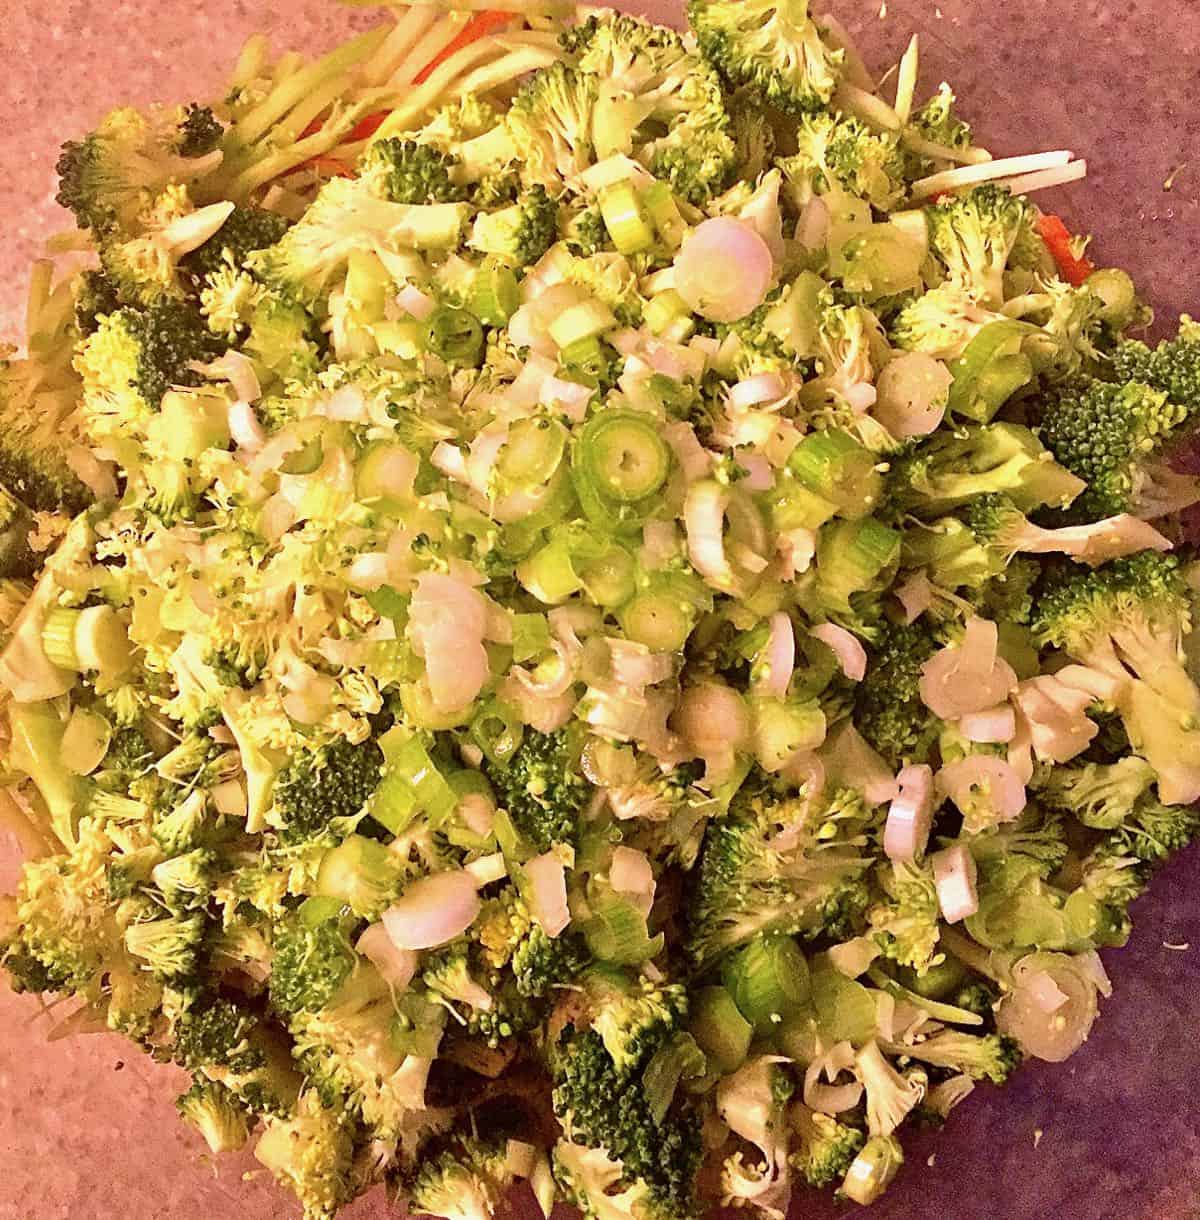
397	966
911	395
368	571
1045	992
776	662
724	269
760	475
763	387
487	869
570	397
245	428
630	874
238	369
547	877
851	655
347	404
910	815
915	596
433	910
954	875
960	779
415	303
991	726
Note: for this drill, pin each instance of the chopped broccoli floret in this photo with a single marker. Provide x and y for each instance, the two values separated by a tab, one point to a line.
520	233
542	788
774	49
888	710
1101	795
973	234
843	151
320	792
1127	620
905	924
217	1114
1152	831
311	963
463	1178
826	1147
747	884
311	1152
1111	436
412	172
982	1057
1172	368
954	468
246	229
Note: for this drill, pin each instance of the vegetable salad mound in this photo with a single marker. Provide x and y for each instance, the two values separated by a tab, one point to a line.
586	605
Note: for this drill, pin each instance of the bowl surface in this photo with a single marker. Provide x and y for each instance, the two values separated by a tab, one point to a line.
89	1129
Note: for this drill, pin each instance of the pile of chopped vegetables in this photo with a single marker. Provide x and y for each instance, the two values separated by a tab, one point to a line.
586	605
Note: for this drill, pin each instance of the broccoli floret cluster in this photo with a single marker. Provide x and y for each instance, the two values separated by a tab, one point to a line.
543	788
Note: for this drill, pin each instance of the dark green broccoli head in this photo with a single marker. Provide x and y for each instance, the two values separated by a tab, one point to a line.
413	173
520	233
540	963
1172	368
216	1033
199	132
246	230
774	49
744	885
542	787
605	1107
888	710
321	786
311	963
95	295
1108	434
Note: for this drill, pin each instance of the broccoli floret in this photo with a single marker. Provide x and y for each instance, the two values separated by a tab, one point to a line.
843	151
601	1187
890	1094
542	787
658	100
320	792
586	233
508	936
888	710
521	233
604	1107
349	215
991	1057
1101	795
217	1114
349	1049
826	1147
1034	842
977	997
775	50
551	123
633	1017
246	229
311	1153
1111	436
1152	831
941	322
464	1177
217	1034
1172	368
133	358
311	963
167	946
109	178
905	924
185	881
1127	620
972	234
95	296
753	136
199	132
610	278
937	122
954	468
746	884
412	172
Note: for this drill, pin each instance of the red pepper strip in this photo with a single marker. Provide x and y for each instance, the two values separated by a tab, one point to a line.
331	167
479	26
1057	237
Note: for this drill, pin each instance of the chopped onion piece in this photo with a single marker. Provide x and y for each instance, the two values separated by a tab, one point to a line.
851	655
229	797
759	474
1055	715
630	874
968	676
415	303
912	393
347	405
860	396
965	777
915	595
245	428
397	966
451	461
547	877
812	232
763	387
570	397
239	371
433	910
1055	1035
447	618
712	719
954	875
694	460
487	869
369	570
910	815
1045	992
775	664
991	726
724	269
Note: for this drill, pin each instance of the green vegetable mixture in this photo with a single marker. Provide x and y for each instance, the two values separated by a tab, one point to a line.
588	605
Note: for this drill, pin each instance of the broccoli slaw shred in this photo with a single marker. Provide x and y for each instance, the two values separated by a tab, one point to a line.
586	605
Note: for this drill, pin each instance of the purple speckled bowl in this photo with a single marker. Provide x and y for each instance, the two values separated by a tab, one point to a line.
87	1127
